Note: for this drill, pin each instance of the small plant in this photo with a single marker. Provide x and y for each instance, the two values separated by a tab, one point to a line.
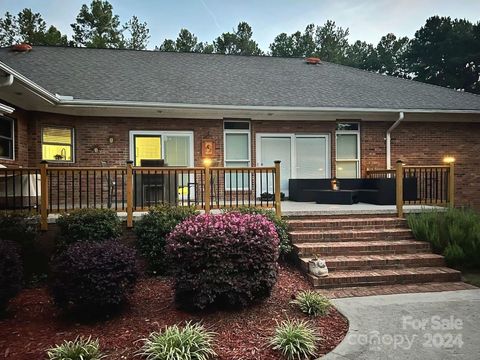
295	339
227	260
10	273
78	349
192	342
280	225
89	225
151	231
93	277
312	303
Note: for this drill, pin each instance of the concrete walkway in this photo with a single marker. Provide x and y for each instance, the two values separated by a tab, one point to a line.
440	326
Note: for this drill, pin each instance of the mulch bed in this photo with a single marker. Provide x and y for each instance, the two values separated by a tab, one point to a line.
34	324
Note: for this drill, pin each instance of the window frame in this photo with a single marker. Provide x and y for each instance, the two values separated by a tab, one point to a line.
359	157
162	134
12	138
249	148
72	145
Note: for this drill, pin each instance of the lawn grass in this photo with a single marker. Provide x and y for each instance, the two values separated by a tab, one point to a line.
471	277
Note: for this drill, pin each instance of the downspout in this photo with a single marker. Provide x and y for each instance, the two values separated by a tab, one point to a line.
7	80
401	116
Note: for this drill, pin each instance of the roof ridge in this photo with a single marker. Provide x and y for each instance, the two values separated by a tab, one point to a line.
400	78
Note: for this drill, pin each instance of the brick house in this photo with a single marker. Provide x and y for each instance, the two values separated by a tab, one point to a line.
91	107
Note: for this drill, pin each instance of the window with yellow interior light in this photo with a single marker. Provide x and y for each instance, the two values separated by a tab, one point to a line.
57	144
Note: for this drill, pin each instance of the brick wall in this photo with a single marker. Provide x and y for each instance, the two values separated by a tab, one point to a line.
93	132
416	143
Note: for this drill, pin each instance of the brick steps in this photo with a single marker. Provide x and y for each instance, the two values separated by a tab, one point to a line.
348	278
347	223
350	235
361	247
382	261
369	252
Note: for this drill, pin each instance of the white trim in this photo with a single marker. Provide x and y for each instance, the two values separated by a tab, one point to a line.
293	150
357	132
161	133
5	109
37	89
13	139
249	147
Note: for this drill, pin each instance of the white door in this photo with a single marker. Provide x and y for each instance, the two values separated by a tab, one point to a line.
301	156
311	157
273	148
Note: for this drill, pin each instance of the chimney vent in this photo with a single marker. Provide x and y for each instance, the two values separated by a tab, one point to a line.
313	60
21	47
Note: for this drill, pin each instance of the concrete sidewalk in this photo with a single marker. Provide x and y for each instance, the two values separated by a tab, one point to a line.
442	325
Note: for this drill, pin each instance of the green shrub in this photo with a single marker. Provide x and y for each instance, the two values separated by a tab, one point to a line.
93	279
192	342
312	303
20	227
10	273
152	230
94	225
78	349
454	233
280	225
295	339
454	254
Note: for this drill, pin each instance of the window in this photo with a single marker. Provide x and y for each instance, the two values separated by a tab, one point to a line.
175	148
6	138
348	150
237	152
57	144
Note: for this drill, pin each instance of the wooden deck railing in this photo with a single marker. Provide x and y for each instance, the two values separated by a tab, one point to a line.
53	189
420	184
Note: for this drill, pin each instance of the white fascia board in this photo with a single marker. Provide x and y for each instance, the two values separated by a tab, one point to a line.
5	109
140	104
37	89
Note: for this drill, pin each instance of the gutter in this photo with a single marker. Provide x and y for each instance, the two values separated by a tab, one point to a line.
5	109
401	116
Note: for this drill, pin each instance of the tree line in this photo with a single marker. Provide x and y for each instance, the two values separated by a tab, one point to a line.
443	51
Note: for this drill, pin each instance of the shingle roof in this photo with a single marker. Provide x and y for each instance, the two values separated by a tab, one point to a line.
185	78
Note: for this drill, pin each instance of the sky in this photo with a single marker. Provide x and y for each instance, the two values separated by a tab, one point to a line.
367	20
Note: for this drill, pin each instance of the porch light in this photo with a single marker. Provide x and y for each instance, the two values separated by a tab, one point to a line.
207	162
448	159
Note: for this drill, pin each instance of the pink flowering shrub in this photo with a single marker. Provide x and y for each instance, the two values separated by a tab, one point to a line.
228	260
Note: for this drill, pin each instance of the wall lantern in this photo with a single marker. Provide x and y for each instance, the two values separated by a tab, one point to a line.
448	159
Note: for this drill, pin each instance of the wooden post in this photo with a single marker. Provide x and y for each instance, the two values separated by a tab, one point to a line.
278	196
207	192
129	186
451	185
43	196
399	188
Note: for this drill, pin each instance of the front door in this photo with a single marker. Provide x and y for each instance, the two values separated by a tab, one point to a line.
301	156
